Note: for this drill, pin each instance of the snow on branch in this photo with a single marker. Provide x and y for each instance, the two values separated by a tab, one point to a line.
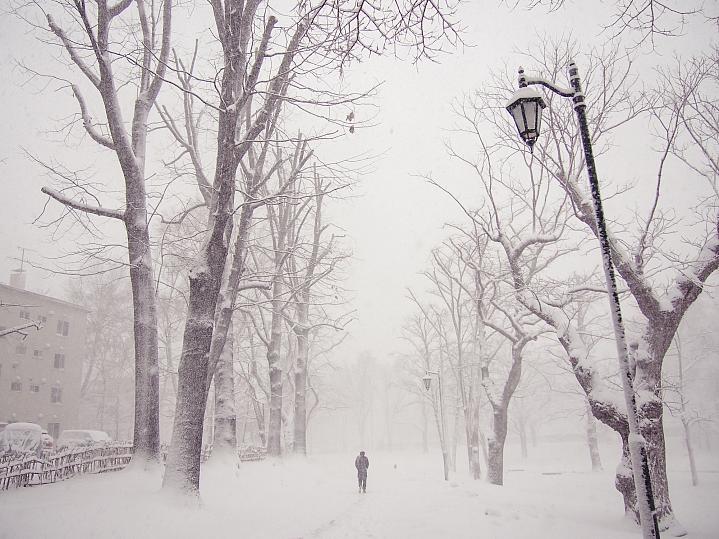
20	329
71	50
118	8
688	286
87	121
642	291
534	240
251	285
81	206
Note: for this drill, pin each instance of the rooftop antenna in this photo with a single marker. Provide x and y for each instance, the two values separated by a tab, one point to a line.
21	260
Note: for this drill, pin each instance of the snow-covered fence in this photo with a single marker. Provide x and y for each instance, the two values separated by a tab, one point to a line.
17	470
247	453
22	469
252	453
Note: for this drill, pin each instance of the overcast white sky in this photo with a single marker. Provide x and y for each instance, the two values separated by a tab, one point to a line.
397	219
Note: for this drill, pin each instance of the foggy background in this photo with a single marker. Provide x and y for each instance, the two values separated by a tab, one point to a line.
391	215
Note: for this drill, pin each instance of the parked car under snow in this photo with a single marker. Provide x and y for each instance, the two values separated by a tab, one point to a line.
82	438
21	438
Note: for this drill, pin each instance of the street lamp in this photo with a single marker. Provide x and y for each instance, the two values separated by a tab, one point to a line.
427	379
526	109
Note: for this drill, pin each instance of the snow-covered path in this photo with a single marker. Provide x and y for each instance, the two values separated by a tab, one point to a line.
318	498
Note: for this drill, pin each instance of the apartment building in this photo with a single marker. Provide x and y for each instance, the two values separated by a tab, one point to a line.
40	370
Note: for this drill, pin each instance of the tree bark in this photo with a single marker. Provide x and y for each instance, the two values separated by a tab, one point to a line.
300	422
473	436
592	442
225	439
495	449
182	470
147	381
274	427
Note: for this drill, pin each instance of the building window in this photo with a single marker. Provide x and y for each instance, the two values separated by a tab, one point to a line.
25	315
37	354
15	386
55	394
21	349
63	327
34	388
53	429
59	362
43	319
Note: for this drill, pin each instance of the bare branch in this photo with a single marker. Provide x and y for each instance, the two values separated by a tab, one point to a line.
81	206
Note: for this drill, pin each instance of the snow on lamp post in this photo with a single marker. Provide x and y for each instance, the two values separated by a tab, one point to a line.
427	379
526	106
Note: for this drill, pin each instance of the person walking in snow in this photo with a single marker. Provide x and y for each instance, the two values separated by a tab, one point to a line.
362	463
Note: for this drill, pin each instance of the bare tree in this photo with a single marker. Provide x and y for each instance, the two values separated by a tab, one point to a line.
306	271
688	415
423	333
89	37
500	395
648	20
663	285
107	376
449	277
661	298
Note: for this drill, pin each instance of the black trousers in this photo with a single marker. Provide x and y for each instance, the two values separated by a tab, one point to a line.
362	480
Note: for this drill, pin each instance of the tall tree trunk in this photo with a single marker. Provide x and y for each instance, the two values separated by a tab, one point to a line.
147	387
455	434
225	438
592	442
473	437
690	450
495	450
300	422
483	446
182	470
649	358
258	409
686	425
274	427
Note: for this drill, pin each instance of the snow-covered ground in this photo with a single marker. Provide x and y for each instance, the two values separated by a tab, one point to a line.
551	494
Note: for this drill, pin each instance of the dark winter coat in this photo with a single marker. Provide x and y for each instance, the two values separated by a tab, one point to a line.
362	463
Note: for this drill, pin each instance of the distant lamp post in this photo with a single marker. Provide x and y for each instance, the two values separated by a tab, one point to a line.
427	380
526	109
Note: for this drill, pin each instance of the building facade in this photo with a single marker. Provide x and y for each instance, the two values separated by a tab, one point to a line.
40	370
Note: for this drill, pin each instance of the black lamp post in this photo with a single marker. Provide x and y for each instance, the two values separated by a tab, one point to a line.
526	108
